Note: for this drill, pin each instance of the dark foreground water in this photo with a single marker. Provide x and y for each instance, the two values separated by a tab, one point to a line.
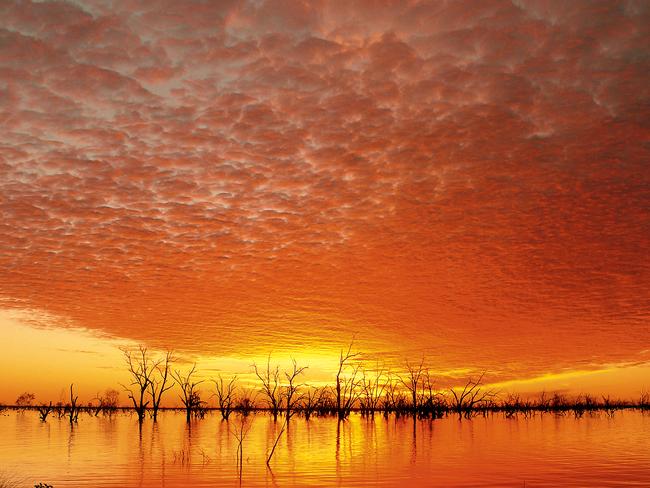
546	450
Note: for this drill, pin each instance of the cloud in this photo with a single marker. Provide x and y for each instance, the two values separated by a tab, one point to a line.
224	175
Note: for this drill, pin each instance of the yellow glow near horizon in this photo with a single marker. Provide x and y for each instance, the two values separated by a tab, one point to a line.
46	360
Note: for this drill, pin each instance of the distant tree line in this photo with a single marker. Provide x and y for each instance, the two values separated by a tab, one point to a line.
369	391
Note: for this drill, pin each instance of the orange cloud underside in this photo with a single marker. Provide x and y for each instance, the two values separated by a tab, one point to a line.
233	178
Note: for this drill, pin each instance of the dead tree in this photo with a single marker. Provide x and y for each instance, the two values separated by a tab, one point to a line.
372	389
310	401
141	369
44	411
72	409
190	395
431	402
159	382
346	385
271	387
473	395
412	382
291	390
226	396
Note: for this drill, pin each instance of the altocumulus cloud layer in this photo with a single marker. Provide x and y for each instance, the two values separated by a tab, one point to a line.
467	180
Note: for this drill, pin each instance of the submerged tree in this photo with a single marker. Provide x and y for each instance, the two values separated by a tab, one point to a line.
226	395
412	382
372	390
473	395
190	395
311	400
44	410
159	382
291	396
72	409
141	368
347	384
270	379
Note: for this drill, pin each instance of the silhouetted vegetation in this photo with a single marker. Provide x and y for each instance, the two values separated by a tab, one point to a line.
226	395
44	411
644	401
312	399
158	383
373	385
190	395
108	402
71	409
347	383
25	400
141	368
291	397
270	379
411	392
471	398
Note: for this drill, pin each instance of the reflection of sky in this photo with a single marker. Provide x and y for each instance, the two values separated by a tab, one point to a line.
545	450
230	179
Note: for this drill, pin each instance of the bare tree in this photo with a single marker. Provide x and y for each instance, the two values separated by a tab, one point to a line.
291	390
346	385
412	382
72	409
431	402
470	397
190	395
226	395
271	387
372	389
311	400
246	401
141	368
44	411
159	383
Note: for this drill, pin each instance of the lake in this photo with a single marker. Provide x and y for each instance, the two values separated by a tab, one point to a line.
545	450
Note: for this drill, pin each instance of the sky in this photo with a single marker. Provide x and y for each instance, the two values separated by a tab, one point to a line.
461	181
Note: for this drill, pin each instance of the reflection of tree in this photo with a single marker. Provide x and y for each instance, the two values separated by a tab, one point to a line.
240	431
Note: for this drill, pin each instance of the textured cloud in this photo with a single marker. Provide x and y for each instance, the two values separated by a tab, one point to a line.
225	176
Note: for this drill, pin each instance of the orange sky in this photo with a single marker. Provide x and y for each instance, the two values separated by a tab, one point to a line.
233	178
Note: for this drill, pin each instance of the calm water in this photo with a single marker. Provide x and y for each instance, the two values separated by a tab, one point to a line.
543	451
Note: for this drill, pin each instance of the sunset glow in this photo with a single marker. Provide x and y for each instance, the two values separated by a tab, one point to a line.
236	179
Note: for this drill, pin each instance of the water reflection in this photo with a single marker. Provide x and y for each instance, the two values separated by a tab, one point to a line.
546	450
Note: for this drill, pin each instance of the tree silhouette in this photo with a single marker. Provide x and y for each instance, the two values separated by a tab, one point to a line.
141	368
190	395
